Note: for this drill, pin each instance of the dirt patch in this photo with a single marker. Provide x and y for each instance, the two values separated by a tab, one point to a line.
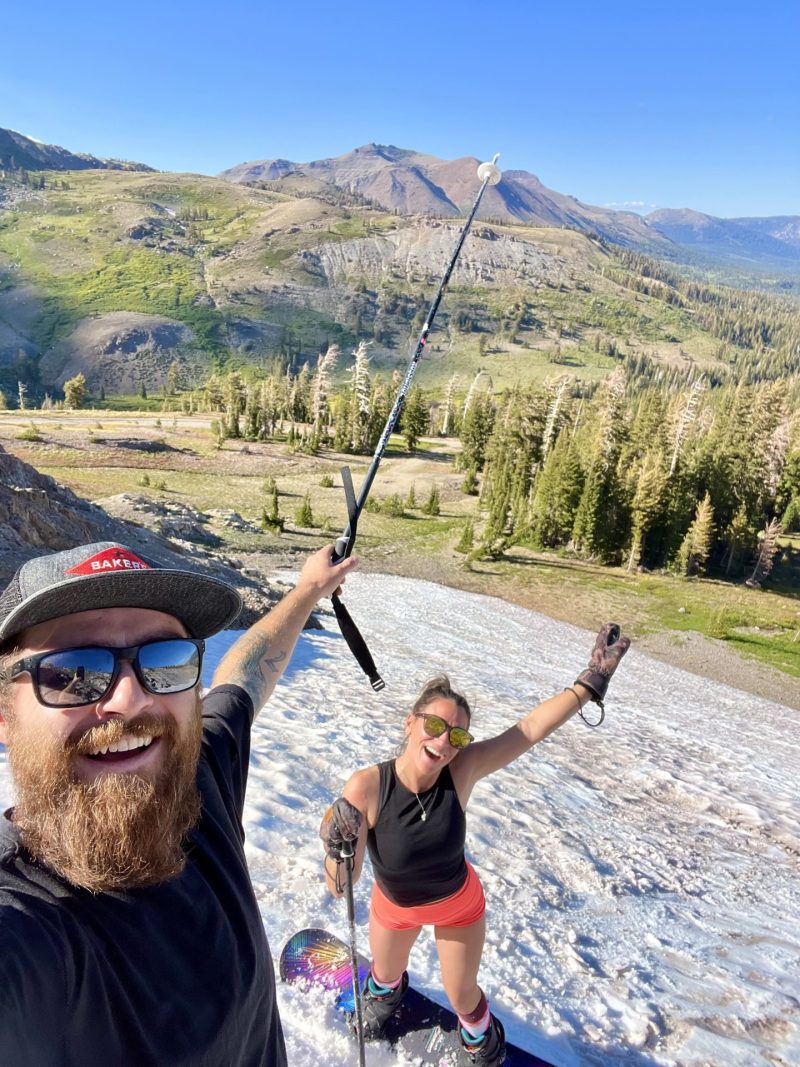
718	661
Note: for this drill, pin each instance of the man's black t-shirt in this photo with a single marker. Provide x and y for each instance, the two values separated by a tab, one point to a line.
177	974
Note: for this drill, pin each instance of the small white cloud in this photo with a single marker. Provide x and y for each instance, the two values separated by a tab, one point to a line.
639	206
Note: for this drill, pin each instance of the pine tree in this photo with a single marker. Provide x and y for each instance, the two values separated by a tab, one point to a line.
415	419
359	408
320	388
272	519
766	555
75	392
467	540
470	483
378	414
648	502
341	408
740	538
432	505
552	423
685	418
268	409
299	396
788	490
448	408
476	429
694	552
304	516
234	403
174	377
601	521
557	494
214	393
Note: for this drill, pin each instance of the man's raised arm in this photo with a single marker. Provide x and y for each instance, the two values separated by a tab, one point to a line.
260	656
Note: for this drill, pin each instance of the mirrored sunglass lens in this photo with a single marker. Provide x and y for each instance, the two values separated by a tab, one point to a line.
73	678
459	738
169	666
434	726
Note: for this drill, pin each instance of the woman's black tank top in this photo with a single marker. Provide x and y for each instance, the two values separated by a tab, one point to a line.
416	860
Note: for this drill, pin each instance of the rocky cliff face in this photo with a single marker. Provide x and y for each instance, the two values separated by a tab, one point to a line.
37	515
425	250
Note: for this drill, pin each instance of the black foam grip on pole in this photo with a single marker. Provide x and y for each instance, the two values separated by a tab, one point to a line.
357	644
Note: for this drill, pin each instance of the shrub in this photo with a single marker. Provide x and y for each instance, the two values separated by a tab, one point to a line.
304	516
393	506
467	540
30	433
431	505
470	483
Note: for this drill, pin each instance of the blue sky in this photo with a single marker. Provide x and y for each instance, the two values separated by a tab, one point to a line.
631	105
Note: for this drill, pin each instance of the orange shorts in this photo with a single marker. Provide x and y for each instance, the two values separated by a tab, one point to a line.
462	908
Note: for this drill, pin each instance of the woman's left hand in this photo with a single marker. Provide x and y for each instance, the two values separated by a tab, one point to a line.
609	648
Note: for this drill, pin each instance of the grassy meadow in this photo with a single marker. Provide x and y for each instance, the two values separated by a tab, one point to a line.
101	454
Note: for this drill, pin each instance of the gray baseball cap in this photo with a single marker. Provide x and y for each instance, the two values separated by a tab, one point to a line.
111	575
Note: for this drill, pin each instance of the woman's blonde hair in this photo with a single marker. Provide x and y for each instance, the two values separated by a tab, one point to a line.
440	688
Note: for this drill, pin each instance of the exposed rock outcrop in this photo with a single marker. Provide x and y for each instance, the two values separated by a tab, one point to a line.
121	350
37	515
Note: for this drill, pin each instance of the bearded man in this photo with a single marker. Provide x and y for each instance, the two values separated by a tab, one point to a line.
129	929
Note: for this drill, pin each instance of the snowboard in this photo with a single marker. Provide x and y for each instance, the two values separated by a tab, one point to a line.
427	1032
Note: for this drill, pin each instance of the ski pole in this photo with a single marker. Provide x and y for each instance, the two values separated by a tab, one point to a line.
489	174
348	856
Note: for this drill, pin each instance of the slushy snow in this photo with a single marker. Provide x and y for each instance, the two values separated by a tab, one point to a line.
641	878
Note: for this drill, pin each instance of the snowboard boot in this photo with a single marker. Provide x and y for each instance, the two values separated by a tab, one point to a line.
377	1010
489	1052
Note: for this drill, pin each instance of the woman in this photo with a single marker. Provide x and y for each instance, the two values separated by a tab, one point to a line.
408	813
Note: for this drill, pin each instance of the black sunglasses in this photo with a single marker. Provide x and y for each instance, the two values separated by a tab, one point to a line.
74	677
434	726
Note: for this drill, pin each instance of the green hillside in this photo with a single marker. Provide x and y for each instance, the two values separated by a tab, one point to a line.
99	268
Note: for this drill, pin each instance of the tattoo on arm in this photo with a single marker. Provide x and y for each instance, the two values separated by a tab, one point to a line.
250	666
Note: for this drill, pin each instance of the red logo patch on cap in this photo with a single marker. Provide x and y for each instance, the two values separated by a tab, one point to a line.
110	560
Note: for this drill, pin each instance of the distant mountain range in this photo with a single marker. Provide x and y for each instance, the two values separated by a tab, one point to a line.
18	152
775	239
411	183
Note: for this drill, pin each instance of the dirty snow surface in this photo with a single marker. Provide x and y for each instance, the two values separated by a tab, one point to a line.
641	878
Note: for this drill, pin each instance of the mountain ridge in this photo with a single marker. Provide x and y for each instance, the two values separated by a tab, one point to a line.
775	238
19	152
408	182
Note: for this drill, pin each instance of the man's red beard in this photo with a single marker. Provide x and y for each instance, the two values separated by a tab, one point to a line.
119	830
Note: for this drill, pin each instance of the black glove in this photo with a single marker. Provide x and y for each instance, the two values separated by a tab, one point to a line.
340	824
609	648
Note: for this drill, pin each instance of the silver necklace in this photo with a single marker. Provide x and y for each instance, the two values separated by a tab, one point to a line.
424	815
